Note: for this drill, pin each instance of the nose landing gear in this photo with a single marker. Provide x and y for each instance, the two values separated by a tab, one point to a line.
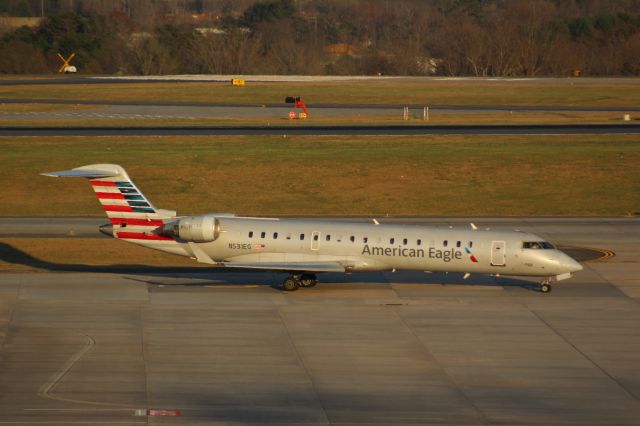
545	285
294	282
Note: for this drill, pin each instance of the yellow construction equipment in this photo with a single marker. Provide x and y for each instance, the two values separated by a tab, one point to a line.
66	64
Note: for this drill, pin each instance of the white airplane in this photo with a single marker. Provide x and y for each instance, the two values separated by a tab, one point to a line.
303	248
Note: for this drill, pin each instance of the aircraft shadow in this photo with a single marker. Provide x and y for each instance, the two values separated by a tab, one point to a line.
228	276
13	255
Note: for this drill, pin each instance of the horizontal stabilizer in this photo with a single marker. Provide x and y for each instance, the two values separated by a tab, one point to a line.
289	266
90	174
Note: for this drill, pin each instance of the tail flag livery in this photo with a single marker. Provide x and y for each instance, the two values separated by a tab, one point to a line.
131	214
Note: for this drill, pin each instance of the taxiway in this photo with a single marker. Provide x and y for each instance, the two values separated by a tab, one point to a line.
219	347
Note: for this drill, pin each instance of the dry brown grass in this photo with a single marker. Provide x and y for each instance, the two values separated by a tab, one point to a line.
32	107
590	92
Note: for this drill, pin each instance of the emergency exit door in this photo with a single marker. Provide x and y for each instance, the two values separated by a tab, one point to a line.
315	240
498	249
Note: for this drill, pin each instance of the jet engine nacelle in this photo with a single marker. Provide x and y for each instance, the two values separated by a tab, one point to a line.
196	229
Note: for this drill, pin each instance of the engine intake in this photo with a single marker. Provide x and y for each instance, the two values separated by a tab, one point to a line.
196	229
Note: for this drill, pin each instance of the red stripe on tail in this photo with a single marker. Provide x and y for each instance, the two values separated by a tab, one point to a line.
135	222
126	209
102	183
142	236
109	196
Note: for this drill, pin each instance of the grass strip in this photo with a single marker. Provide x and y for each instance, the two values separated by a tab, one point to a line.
335	175
552	92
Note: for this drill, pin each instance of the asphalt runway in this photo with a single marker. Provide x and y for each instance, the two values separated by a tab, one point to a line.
568	129
230	347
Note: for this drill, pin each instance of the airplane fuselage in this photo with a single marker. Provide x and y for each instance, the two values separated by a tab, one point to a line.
371	247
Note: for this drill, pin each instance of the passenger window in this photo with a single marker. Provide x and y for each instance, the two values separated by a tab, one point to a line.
391	240
458	244
365	239
404	241
353	239
445	243
470	244
262	234
328	237
275	235
289	236
315	237
301	237
250	234
419	242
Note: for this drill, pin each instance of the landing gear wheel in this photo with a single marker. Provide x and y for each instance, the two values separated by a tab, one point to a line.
545	288
290	284
308	280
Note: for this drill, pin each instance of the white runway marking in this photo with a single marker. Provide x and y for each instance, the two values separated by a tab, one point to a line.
46	389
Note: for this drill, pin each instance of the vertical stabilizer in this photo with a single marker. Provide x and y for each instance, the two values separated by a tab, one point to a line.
131	214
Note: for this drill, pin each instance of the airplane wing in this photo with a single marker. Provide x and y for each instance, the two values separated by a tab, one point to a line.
289	266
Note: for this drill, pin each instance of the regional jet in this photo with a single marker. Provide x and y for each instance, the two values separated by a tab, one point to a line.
304	248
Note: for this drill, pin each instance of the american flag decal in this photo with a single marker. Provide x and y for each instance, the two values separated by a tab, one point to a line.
258	246
471	256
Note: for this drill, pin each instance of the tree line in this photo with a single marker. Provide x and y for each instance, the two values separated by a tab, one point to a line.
351	37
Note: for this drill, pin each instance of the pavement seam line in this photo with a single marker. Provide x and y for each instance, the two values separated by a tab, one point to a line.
142	353
605	280
304	366
10	319
584	355
442	368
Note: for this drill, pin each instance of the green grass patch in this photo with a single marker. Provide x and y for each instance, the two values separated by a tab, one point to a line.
569	92
330	175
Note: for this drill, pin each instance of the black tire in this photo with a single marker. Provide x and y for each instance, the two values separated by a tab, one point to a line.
290	284
545	288
308	280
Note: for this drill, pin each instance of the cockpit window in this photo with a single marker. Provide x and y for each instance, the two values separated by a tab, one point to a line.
538	245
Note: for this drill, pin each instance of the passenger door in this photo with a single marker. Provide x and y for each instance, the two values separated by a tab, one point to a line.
498	249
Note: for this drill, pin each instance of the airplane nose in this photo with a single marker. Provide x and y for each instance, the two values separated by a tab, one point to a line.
571	265
107	229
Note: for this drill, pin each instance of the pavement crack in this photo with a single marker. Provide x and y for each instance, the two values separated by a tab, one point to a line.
584	355
304	366
426	350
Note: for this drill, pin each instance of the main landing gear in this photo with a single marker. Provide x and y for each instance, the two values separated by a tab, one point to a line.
545	285
294	282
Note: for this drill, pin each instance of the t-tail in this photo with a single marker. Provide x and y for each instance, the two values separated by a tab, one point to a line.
132	216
